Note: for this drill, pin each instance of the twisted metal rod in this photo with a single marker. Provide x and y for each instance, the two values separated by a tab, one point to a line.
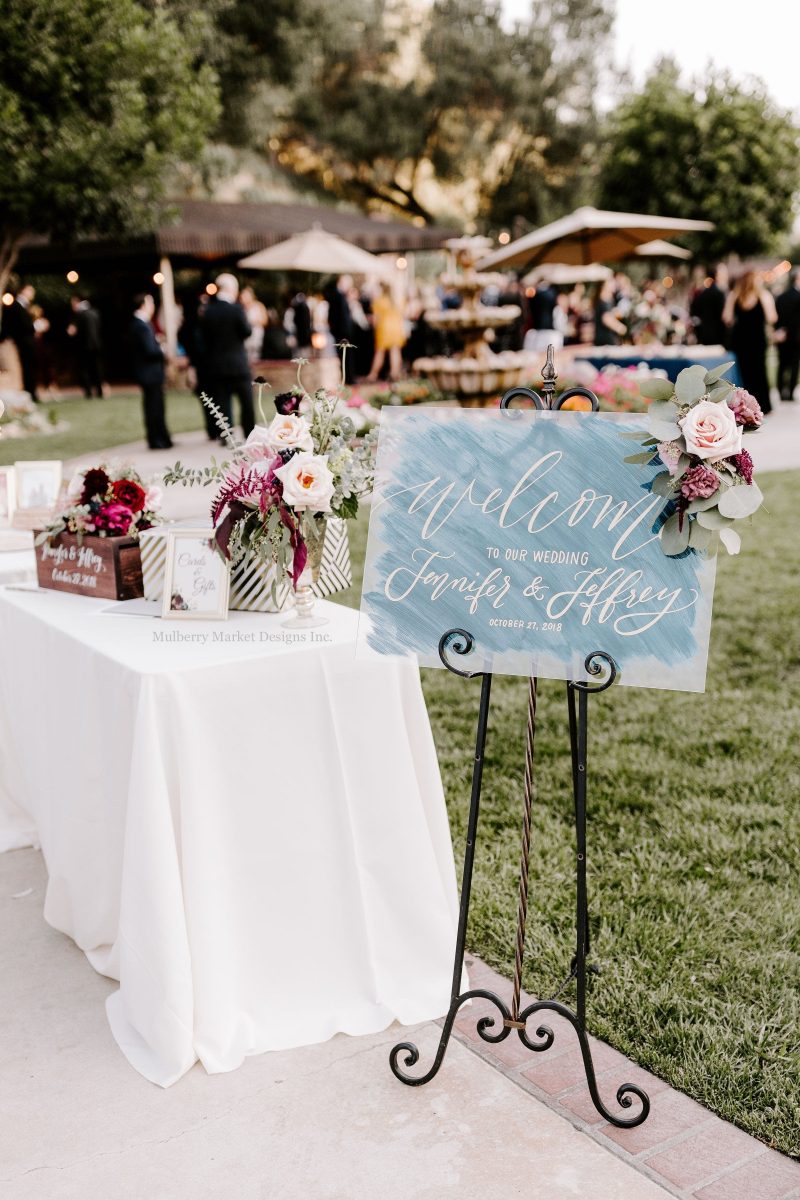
522	907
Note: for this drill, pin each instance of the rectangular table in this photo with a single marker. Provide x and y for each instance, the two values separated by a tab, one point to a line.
670	364
244	826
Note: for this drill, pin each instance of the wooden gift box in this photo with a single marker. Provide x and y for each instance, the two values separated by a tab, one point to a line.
251	586
107	567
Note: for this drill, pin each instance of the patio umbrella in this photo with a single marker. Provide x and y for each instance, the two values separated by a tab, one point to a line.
588	235
661	249
562	273
318	251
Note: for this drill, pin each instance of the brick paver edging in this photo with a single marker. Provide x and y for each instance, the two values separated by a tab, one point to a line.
689	1151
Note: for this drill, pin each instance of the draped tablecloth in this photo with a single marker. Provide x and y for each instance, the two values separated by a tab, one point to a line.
671	364
249	833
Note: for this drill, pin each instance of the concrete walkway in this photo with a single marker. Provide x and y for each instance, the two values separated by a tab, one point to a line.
325	1122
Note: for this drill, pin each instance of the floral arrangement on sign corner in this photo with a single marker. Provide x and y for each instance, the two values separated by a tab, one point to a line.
106	501
277	489
695	430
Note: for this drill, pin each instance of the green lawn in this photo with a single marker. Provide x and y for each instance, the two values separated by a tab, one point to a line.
694	825
694	843
98	424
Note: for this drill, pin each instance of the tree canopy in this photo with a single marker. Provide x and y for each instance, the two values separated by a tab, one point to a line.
97	99
411	108
719	151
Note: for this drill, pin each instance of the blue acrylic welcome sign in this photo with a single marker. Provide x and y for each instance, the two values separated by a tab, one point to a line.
529	530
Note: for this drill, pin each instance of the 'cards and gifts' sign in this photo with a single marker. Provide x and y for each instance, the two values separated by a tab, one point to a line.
529	530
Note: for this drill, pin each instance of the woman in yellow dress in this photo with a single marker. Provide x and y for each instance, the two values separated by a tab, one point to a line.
390	334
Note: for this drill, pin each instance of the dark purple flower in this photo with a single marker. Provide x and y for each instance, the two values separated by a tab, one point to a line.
744	466
287	403
95	483
285	455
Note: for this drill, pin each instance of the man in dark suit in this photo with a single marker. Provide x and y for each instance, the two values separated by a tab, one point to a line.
224	329
148	371
85	329
18	328
340	320
706	310
788	306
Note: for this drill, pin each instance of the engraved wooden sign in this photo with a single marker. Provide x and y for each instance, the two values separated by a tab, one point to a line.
109	568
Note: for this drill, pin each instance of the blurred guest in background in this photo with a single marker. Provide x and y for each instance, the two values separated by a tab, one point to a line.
788	337
224	329
191	339
18	328
541	307
148	371
275	344
749	309
256	314
301	314
84	329
340	319
608	329
361	310
706	309
390	335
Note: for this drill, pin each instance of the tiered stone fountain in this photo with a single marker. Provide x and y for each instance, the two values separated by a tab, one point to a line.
474	373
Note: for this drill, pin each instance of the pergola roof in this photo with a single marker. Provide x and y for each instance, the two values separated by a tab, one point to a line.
212	231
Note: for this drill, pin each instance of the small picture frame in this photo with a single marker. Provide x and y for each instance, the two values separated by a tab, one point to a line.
37	486
8	492
196	578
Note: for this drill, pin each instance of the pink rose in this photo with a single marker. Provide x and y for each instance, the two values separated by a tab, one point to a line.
745	409
115	519
710	430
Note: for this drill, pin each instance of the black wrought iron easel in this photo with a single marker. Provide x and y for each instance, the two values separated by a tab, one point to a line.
602	670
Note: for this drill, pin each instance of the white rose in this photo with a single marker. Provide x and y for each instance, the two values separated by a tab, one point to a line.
153	497
307	482
75	486
710	430
289	433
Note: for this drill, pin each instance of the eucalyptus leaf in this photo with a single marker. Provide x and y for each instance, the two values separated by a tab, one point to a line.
674	540
712	518
644	457
700	538
656	389
741	500
730	540
663	411
720	391
662	484
690	385
683	464
717	373
702	505
665	431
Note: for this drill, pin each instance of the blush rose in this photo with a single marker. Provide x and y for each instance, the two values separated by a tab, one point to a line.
307	482
710	430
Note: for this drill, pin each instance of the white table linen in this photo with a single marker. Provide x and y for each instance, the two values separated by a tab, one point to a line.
250	835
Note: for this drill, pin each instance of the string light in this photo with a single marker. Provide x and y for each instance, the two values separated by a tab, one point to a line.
504	238
211	289
7	299
667	281
72	276
158	278
401	263
318	341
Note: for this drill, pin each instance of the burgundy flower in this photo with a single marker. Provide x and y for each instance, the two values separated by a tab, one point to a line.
126	492
115	519
745	408
95	483
744	465
287	403
699	483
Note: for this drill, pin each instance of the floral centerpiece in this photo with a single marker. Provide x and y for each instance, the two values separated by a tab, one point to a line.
695	429
277	490
106	501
